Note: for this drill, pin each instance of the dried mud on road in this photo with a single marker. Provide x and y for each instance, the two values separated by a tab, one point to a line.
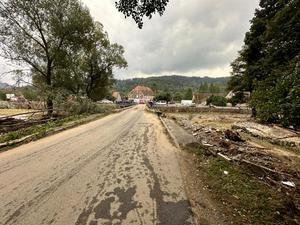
121	169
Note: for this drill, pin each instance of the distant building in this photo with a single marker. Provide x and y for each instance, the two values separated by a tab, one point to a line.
14	98
10	96
187	102
117	96
141	94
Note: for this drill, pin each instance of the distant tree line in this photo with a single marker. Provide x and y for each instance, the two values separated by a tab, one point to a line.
268	64
66	51
173	84
212	88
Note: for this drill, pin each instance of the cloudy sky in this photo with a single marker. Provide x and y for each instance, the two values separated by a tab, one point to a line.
193	37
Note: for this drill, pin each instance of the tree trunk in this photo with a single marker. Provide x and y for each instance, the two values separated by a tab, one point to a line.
49	83
49	106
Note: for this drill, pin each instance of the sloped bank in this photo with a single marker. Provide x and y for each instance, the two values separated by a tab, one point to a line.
238	183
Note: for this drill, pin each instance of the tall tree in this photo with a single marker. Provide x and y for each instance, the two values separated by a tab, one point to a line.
99	60
268	64
41	34
188	94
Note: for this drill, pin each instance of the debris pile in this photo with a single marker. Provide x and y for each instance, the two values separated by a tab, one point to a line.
228	144
252	148
23	120
273	134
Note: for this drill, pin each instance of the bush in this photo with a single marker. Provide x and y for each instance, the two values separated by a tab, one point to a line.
83	106
2	96
165	96
30	93
216	101
238	98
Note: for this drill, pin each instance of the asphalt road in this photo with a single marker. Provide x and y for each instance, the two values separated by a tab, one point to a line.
121	169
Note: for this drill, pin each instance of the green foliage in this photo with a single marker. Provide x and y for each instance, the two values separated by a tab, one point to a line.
238	98
164	96
110	97
281	100
188	94
68	53
267	64
216	101
137	9
171	83
2	96
178	97
30	93
211	88
204	88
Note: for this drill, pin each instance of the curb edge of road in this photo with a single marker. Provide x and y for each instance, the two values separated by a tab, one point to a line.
6	146
179	148
170	133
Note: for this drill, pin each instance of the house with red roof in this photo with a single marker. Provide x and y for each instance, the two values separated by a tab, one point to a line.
141	94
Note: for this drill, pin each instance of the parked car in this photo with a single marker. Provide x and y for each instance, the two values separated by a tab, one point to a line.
125	103
106	101
161	103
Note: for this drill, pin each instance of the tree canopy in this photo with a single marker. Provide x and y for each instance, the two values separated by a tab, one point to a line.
138	9
268	64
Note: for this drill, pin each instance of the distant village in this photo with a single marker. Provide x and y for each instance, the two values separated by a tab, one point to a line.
140	94
143	95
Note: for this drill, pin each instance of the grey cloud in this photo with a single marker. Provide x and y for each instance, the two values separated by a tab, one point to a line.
193	35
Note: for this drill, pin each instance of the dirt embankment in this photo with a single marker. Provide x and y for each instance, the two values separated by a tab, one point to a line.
255	178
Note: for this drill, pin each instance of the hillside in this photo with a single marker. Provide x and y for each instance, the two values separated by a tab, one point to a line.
169	83
4	85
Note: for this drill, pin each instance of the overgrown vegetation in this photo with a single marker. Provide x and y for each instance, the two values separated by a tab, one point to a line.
2	96
268	64
243	198
238	98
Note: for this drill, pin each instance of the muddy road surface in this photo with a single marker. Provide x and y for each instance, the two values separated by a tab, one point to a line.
121	169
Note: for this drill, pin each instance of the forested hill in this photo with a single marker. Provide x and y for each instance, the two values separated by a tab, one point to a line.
169	83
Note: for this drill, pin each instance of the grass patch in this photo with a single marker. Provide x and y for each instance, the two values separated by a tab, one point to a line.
244	198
